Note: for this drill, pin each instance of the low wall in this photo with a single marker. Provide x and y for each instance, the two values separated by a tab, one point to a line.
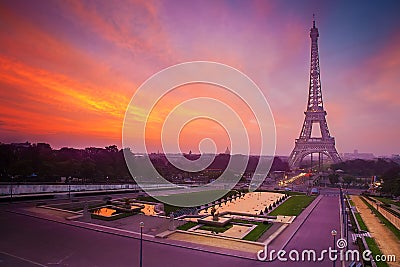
388	215
21	189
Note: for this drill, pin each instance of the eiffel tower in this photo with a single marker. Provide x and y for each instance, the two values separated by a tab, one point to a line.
315	114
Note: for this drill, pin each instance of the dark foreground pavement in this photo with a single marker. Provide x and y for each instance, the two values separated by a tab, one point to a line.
315	233
28	241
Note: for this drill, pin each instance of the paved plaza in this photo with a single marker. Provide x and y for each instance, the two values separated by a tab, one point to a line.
252	203
57	241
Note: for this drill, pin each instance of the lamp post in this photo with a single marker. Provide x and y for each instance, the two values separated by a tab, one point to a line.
334	233
11	192
141	243
347	227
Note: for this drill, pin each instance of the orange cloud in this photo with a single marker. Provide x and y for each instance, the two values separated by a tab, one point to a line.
35	100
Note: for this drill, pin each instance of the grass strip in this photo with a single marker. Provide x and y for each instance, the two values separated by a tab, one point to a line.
293	206
216	229
361	222
257	232
187	226
372	246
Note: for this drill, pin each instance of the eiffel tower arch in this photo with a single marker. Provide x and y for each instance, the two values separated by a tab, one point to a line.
315	115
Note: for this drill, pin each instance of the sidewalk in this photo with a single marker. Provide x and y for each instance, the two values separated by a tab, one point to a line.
284	238
131	234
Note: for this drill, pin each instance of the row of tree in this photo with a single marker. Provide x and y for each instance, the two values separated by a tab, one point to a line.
40	163
385	169
360	167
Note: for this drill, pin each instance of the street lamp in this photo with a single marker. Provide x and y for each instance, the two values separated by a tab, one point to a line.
347	227
11	192
334	233
141	243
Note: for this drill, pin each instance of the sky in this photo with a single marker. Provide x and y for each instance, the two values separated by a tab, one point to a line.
68	69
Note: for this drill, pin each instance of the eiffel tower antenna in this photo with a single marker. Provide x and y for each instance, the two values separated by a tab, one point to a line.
315	114
313	16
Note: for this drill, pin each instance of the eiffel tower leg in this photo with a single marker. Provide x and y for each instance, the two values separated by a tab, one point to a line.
322	160
311	162
319	161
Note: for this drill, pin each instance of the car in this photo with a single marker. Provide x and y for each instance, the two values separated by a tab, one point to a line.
314	191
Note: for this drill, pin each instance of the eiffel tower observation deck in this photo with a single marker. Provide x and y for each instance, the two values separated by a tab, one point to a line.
315	115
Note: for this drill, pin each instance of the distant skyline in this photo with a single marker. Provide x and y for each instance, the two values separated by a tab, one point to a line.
69	68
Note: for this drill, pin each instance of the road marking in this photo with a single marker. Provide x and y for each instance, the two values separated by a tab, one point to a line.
355	236
104	228
61	260
20	258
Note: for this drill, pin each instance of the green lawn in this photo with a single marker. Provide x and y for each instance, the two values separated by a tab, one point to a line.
257	232
78	206
186	226
293	206
216	228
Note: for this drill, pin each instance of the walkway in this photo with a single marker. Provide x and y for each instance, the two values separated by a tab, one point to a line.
386	240
312	230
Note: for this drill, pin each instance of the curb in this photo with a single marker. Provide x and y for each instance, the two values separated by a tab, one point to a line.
275	234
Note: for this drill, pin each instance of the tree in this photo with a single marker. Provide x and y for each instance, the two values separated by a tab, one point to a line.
391	181
348	179
333	178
